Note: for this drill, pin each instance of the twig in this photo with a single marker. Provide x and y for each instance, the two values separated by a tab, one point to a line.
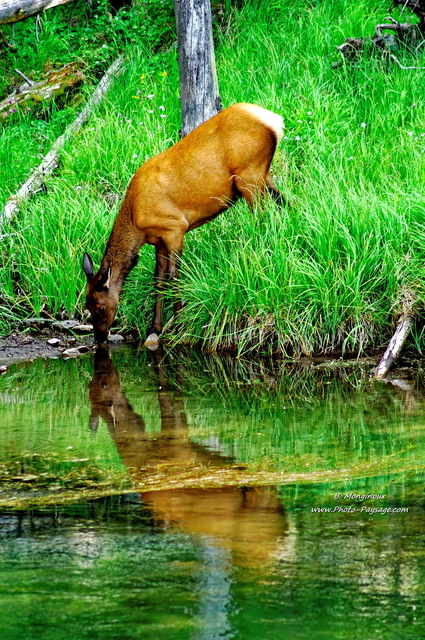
5	41
51	161
404	6
393	20
38	28
24	77
392	57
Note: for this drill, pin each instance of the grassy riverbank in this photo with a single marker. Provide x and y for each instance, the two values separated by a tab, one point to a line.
329	273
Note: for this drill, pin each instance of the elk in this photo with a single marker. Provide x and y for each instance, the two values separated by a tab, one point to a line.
185	186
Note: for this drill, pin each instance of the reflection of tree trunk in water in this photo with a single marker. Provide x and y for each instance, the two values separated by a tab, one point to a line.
246	521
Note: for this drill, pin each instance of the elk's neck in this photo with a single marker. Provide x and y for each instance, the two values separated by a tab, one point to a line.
121	251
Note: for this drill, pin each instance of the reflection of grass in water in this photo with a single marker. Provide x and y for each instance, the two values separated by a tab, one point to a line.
50	471
310	488
301	417
280	423
403	488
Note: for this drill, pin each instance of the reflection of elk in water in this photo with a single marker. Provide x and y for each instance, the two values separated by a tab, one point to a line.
246	521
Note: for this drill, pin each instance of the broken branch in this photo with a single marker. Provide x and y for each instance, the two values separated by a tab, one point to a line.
392	57
396	343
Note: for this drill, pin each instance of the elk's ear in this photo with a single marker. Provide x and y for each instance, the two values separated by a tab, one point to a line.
104	280
88	266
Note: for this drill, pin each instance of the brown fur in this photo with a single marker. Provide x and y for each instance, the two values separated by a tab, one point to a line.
180	189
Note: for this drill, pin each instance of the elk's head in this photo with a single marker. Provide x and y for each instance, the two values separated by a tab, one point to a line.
101	300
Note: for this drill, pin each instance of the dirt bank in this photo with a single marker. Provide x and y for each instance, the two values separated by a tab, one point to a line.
19	347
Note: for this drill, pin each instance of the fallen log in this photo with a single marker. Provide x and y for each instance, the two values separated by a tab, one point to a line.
15	10
36	182
402	34
397	341
33	95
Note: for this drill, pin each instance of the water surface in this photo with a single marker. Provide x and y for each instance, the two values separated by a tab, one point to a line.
220	505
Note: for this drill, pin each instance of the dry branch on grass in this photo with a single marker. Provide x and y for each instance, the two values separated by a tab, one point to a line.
36	182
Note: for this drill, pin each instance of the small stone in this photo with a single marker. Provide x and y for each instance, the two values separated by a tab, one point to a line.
3	369
73	326
83	328
54	342
65	325
115	337
71	353
74	352
152	342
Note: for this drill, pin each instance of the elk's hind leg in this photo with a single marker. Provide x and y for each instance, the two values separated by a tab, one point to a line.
274	192
253	185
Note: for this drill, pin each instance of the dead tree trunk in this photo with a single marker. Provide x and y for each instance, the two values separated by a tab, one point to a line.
200	98
16	10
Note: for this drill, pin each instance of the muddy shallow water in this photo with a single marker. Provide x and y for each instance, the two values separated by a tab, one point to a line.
174	495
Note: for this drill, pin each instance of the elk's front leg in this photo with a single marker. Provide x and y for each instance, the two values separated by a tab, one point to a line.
174	273
174	243
159	279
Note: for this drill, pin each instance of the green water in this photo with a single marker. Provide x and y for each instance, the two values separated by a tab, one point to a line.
154	495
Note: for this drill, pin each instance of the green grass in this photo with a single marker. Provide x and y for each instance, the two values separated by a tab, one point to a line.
327	274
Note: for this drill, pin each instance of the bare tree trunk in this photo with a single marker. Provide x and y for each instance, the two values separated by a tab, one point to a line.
200	98
16	10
